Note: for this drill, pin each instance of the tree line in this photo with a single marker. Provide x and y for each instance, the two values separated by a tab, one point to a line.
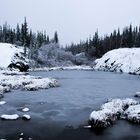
23	36
97	46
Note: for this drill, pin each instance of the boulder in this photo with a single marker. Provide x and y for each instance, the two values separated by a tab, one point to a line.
20	66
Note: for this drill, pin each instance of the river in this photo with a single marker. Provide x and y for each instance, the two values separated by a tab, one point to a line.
60	113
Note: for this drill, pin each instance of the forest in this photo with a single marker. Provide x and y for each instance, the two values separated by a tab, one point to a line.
23	36
96	46
93	47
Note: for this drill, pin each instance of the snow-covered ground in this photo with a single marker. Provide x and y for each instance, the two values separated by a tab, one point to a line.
74	67
120	60
10	54
18	80
117	108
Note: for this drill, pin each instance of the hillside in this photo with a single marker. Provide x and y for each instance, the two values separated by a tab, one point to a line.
120	60
10	54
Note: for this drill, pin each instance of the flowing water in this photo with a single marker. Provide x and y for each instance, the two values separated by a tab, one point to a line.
60	113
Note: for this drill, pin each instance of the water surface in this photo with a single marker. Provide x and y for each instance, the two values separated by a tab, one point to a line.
61	113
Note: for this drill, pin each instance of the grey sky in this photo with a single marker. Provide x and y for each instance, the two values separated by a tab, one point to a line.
73	19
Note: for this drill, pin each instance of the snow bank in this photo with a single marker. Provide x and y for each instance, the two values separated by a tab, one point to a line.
27	82
43	83
120	60
9	117
9	54
82	67
109	112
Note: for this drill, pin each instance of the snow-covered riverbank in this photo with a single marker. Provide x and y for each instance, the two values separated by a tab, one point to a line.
17	80
120	60
82	67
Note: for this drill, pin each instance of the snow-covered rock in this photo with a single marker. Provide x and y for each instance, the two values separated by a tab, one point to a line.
25	109
120	60
26	117
109	112
9	117
4	89
11	54
133	113
2	102
21	134
19	66
137	94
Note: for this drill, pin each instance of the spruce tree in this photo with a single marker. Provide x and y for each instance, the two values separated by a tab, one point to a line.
56	40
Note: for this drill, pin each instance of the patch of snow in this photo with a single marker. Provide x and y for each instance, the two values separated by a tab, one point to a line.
2	102
9	117
26	117
25	109
4	89
120	60
21	134
88	126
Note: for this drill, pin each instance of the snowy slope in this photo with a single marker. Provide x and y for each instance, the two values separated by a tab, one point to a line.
8	54
120	60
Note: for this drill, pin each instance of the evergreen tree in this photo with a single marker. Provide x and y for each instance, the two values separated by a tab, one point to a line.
56	40
97	46
47	40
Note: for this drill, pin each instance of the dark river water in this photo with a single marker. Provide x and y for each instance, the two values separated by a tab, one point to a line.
60	113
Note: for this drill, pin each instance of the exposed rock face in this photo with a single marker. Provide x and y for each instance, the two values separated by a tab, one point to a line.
19	66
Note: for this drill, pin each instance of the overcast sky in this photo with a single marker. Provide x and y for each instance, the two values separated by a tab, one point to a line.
73	19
